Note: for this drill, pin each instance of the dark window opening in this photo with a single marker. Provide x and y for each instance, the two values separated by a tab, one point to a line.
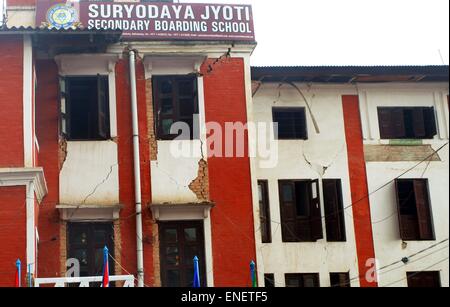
176	100
180	242
302	280
340	280
407	123
85	108
334	210
269	280
414	209
291	123
424	279
264	212
300	211
86	242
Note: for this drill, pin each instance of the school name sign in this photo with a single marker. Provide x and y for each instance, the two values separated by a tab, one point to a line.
147	21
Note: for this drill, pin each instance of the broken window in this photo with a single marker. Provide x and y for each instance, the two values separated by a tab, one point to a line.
300	211
291	123
176	100
264	212
334	210
414	210
407	123
84	108
340	280
424	279
310	280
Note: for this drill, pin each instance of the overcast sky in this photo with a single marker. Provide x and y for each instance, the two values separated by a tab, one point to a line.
349	32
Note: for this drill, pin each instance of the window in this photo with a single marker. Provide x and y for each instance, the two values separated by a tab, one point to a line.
86	242
414	211
334	210
175	101
264	212
302	280
291	123
300	211
180	242
424	279
340	280
84	108
407	123
269	280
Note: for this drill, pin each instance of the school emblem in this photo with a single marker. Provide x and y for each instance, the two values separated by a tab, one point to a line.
62	16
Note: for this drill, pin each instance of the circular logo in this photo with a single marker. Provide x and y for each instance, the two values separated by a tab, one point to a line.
62	16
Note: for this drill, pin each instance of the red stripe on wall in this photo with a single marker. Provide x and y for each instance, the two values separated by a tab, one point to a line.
11	102
359	189
47	114
12	233
229	178
126	181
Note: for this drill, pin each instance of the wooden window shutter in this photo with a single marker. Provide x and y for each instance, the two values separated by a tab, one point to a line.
423	209
64	110
385	123
398	123
288	211
418	123
430	122
405	234
334	211
316	214
102	107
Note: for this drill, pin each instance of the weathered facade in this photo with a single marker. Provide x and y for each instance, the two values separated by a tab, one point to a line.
362	223
92	155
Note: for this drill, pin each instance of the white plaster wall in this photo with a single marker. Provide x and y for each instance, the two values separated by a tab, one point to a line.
90	174
325	149
388	245
172	174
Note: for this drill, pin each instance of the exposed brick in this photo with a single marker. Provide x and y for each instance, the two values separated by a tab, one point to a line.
396	153
200	185
150	121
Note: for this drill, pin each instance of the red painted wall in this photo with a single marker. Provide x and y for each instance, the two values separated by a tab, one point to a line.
11	102
21	2
126	181
229	178
47	113
359	188
12	233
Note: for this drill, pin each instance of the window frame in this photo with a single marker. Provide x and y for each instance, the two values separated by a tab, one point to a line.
264	212
103	109
174	95
393	123
303	134
313	221
300	277
421	234
337	212
411	278
340	276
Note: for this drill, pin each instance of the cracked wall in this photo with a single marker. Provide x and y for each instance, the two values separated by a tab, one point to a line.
89	174
200	186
